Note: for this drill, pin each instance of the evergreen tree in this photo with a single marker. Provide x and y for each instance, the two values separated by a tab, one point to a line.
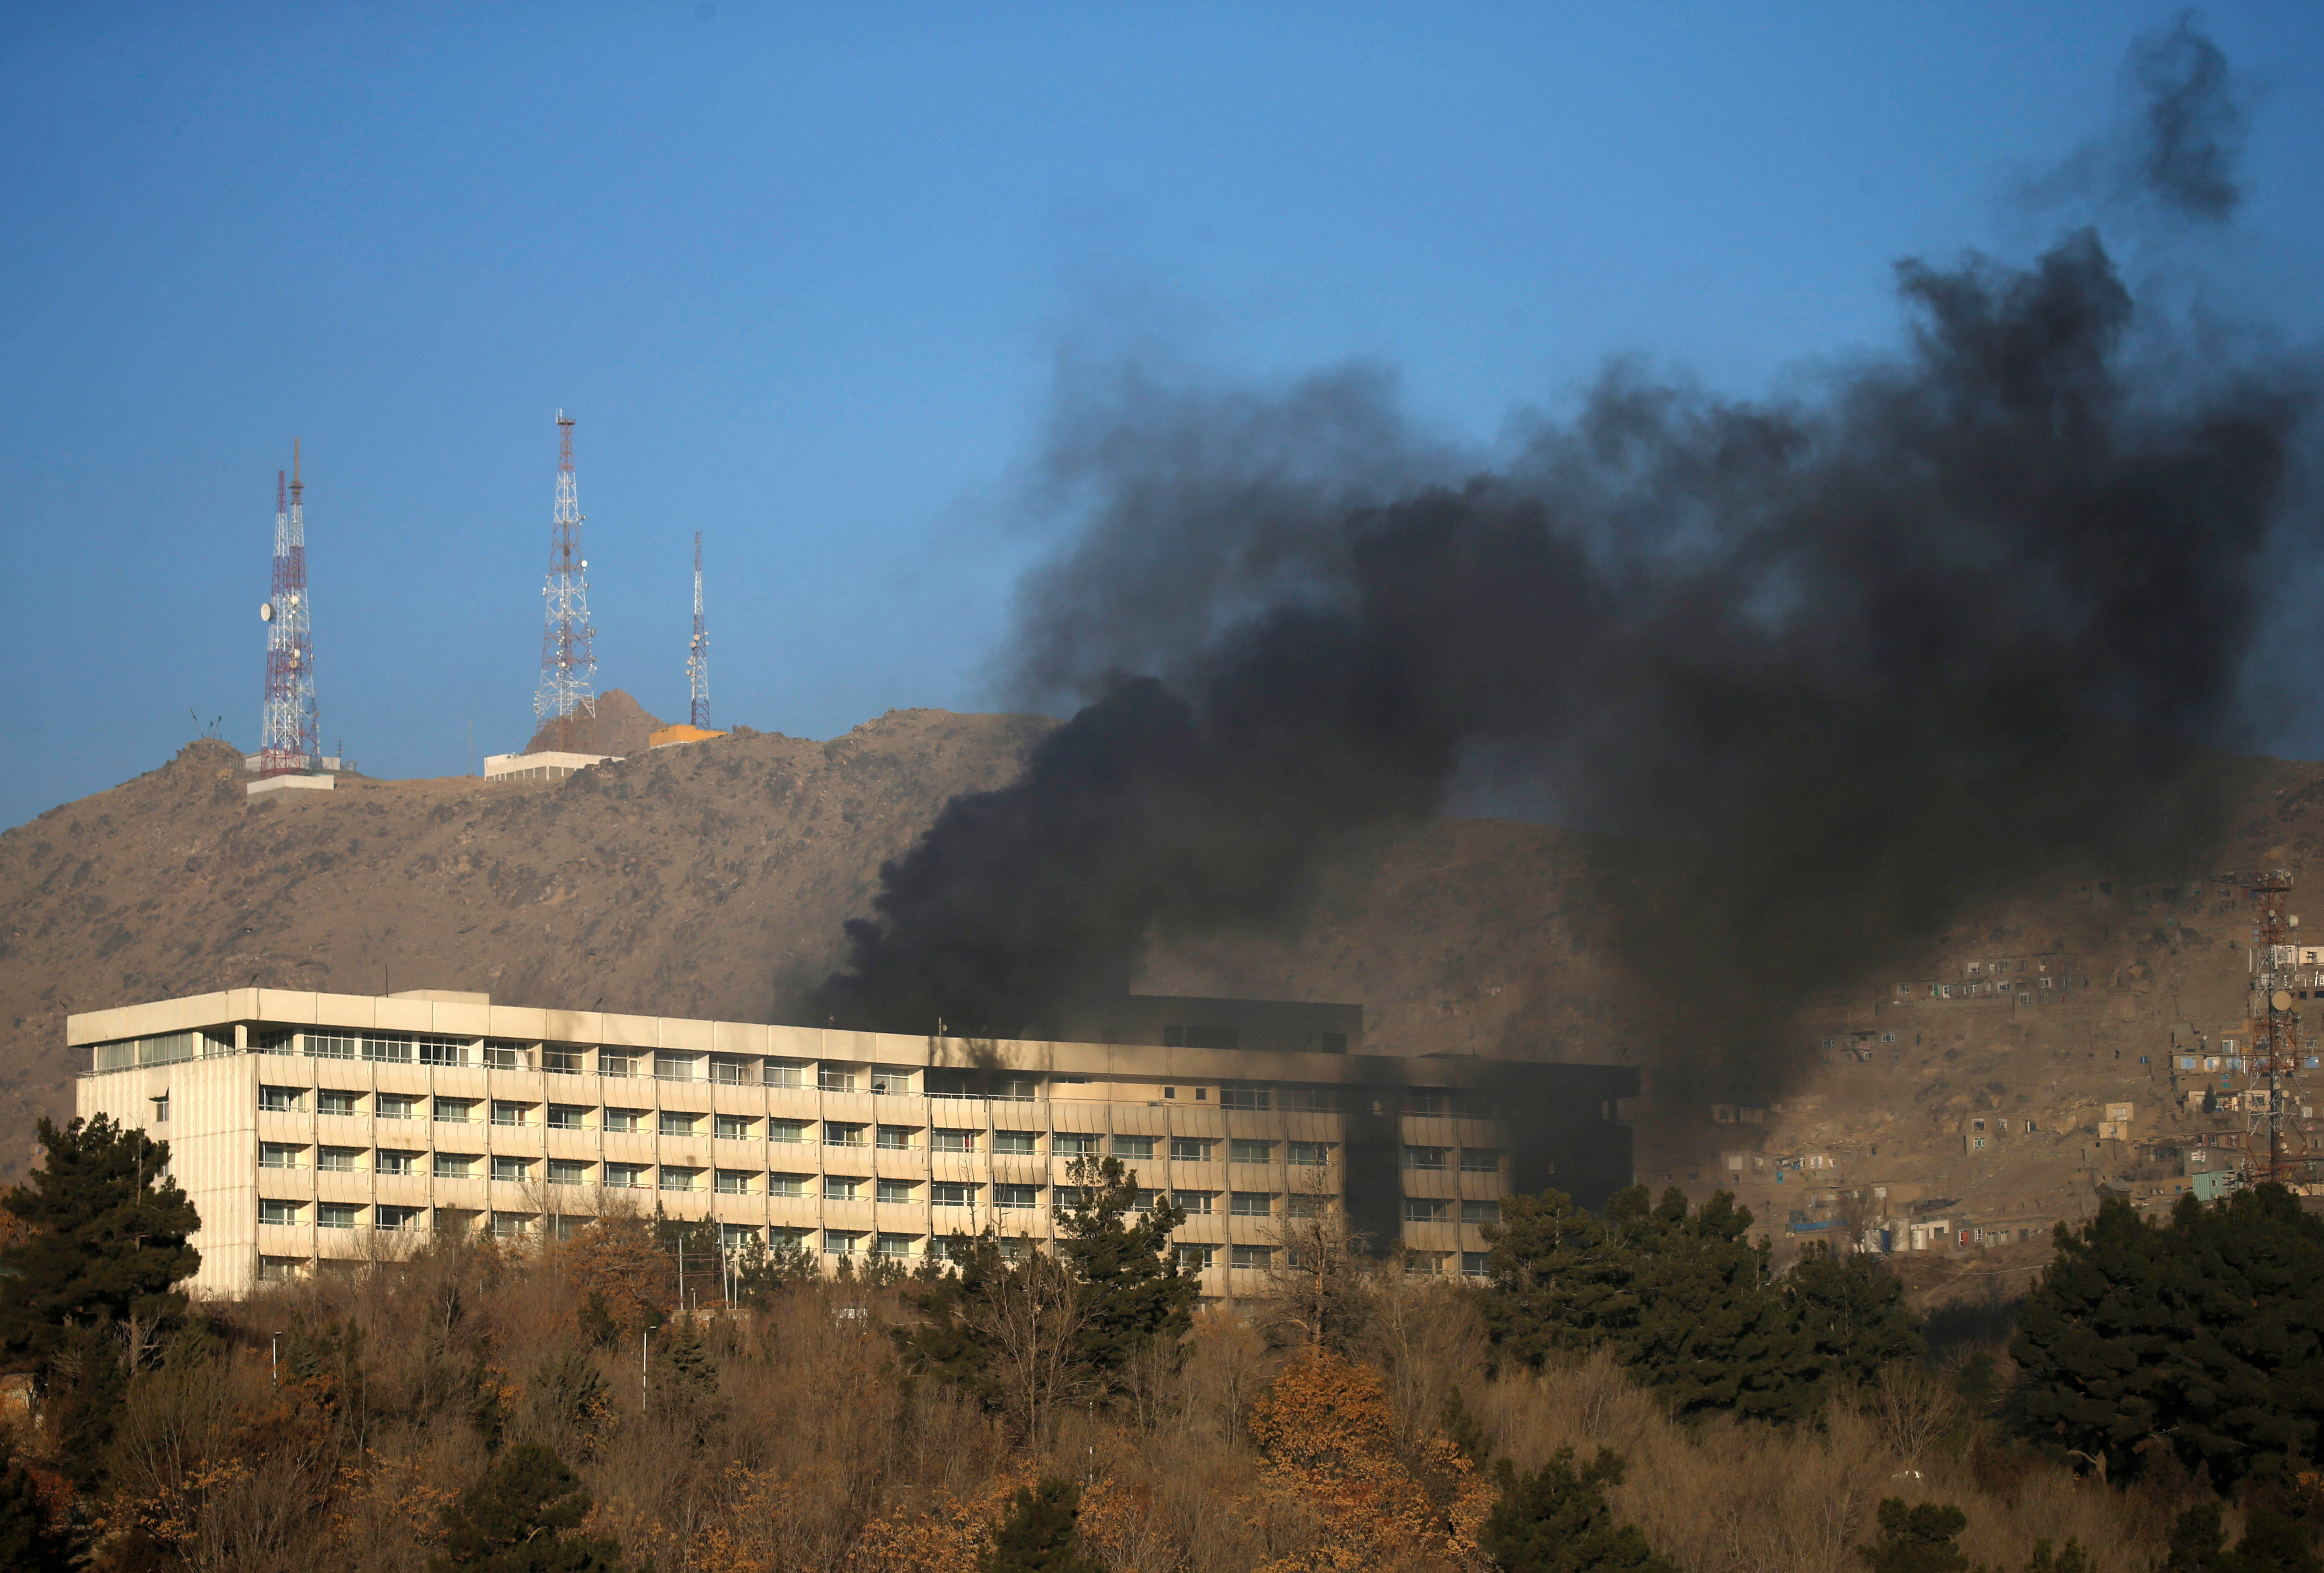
1556	1520
2046	1559
30	1540
1853	1315
106	1240
2272	1543
1679	1293
2208	1331
515	1518
1133	1293
1041	1534
1918	1539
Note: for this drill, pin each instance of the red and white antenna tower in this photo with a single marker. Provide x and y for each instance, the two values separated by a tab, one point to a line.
697	660
289	739
567	696
2277	1142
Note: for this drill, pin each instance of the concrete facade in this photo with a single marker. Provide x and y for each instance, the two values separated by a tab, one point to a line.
319	1128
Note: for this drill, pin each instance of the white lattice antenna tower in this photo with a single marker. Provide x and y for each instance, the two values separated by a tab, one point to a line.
567	700
289	732
697	660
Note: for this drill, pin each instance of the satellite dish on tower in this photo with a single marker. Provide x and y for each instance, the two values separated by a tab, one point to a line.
266	611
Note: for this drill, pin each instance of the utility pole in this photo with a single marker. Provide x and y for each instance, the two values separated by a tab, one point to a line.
569	661
289	742
697	660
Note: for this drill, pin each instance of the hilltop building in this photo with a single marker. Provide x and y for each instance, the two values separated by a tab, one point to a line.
321	1131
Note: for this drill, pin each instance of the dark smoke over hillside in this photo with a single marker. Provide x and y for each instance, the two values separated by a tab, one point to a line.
1844	665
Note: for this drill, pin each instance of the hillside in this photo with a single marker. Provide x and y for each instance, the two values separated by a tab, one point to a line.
712	880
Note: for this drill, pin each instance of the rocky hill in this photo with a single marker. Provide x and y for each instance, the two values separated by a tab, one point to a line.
712	880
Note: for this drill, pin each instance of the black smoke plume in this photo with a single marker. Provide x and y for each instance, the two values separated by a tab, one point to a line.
1839	667
2192	129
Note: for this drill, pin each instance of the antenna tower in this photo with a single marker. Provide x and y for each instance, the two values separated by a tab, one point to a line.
697	660
569	667
2275	1140
289	732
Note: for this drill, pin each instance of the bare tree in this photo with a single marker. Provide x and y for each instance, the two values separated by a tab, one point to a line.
1031	1317
1320	1281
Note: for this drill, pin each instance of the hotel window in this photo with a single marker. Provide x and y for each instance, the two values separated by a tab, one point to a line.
510	1113
568	1117
1242	1152
677	1123
793	1186
891	1079
1472	1263
952	1193
278	1155
509	1226
624	1120
568	1171
896	1247
1480	1213
786	1237
897	1191
454	1165
842	1134
613	1064
792	1131
1251	1204
673	1067
1193	1202
335	1215
283	1099
1480	1160
835	1078
1423	1210
1423	1263
1308	1206
454	1110
1424	1103
733	1181
786	1073
160	1108
1190	1150
1074	1145
1068	1198
1310	1154
506	1056
393	1162
565	1062
1423	1157
1259	1258
625	1176
730	1070
1133	1146
735	1235
392	1219
842	1242
1016	1142
330	1047
443	1052
896	1138
841	1187
512	1170
1243	1098
331	1101
394	1105
277	1212
1194	1258
732	1128
952	1141
1146	1200
388	1050
1016	1196
675	1179
337	1160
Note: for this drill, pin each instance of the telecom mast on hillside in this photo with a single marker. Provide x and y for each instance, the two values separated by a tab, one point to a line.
290	735
697	660
2276	1129
569	667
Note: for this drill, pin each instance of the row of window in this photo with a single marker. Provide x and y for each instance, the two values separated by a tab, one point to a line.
682	1123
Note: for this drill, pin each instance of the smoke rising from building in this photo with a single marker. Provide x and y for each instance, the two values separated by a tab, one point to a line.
1841	664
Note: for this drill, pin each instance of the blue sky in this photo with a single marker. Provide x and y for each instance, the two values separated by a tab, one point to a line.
803	275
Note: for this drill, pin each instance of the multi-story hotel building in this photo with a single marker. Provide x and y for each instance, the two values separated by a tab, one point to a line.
318	1128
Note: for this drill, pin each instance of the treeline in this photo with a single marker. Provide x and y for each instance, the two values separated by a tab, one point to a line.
1637	1390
